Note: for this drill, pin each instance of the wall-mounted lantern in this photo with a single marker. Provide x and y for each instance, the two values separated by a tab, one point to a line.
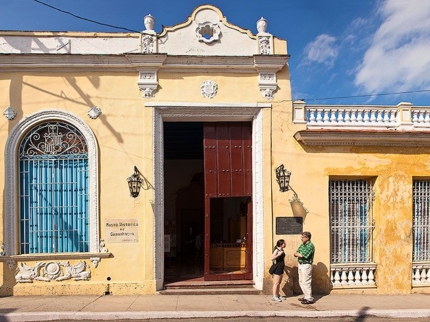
283	178
135	183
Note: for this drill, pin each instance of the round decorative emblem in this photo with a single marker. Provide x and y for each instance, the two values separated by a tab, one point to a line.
52	269
209	89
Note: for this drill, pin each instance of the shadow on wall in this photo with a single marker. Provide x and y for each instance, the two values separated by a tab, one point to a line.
297	207
320	280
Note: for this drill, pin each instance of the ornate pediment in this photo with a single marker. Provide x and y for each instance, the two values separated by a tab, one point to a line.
207	32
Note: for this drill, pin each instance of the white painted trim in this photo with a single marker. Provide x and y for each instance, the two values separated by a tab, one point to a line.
12	181
209	113
211	105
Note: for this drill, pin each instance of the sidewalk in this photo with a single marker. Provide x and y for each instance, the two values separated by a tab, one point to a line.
111	307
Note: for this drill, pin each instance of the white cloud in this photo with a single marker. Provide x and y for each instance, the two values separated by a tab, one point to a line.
322	50
398	58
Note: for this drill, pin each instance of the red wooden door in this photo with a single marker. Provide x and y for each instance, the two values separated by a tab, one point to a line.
228	174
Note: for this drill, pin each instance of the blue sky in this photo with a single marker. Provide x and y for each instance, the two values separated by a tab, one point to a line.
359	49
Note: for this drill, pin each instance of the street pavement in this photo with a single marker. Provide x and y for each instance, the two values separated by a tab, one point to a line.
140	307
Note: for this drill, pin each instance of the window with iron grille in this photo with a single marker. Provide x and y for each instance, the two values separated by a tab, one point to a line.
53	190
421	220
351	222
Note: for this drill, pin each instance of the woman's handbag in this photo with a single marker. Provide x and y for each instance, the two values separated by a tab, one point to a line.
272	269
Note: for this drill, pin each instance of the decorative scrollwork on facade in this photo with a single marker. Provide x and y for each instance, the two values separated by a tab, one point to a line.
209	89
52	271
53	138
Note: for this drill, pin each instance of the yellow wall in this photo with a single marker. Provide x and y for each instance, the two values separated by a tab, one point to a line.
124	133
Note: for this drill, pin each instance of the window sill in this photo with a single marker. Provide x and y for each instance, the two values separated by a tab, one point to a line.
93	257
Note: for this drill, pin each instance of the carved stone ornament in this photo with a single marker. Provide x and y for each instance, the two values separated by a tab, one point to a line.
268	93
208	32
262	25
94	112
103	248
2	252
95	261
148	83
267	84
11	263
148	44
9	113
149	22
209	89
264	45
50	271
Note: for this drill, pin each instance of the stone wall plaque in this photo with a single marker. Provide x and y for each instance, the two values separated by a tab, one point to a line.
289	225
122	230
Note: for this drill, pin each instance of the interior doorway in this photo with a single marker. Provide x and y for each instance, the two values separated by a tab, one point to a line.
184	200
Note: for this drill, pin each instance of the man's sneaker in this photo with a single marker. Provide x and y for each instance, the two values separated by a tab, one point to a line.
276	299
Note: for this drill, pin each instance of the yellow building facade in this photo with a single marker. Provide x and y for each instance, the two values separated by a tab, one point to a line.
198	117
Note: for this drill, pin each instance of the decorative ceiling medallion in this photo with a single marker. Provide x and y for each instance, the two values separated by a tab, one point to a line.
208	32
209	89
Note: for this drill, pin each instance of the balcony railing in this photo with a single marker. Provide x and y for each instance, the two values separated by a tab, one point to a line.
401	117
421	274
354	275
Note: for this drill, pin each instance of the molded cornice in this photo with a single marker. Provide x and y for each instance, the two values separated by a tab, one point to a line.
130	62
363	138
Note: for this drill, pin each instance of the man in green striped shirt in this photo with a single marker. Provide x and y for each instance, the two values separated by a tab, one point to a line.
305	256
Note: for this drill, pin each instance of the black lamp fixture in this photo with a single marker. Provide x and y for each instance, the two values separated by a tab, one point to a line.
283	179
135	183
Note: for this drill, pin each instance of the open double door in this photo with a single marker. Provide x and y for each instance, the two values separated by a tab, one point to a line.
228	200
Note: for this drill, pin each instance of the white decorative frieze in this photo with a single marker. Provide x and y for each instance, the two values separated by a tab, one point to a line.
209	89
208	32
94	112
9	113
50	271
148	83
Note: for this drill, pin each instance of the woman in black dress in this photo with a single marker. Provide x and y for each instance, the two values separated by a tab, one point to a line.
278	257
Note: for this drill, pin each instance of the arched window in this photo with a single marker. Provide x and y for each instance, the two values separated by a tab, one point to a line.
53	190
51	186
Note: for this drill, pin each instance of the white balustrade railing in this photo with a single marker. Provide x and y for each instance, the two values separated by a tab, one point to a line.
401	117
421	274
353	275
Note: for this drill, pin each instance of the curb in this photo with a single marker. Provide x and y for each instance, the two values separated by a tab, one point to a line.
139	315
